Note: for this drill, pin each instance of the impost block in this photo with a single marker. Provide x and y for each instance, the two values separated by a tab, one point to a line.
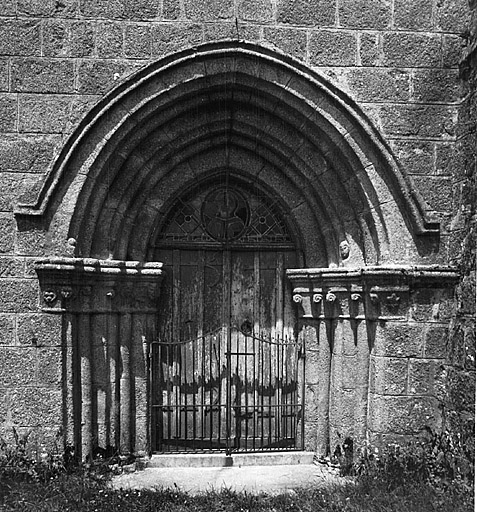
374	293
90	285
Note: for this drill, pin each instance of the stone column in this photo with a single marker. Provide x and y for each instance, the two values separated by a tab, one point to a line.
109	311
374	351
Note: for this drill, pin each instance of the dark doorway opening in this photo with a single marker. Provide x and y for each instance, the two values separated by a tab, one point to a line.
225	370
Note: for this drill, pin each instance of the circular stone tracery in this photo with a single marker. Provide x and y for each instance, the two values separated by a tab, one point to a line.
225	214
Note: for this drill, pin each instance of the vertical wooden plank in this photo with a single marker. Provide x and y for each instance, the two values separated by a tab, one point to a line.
270	394
235	320
176	294
175	369
256	293
198	351
242	303
256	358
168	413
191	284
277	365
289	320
249	301
226	340
289	356
246	388
200	292
279	296
214	294
294	365
167	300
205	342
176	380
189	295
263	431
235	343
214	434
268	294
214	360
161	357
220	360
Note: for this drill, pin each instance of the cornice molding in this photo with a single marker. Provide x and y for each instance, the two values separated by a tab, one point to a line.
364	293
102	286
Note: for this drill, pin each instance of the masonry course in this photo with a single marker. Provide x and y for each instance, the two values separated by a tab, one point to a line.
397	60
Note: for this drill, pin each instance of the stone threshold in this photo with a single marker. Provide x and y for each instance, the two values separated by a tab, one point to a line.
210	460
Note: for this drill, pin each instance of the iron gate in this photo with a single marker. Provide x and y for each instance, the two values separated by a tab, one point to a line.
227	390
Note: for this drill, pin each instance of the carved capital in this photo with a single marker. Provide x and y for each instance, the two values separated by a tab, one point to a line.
374	298
67	292
76	284
368	292
393	300
49	296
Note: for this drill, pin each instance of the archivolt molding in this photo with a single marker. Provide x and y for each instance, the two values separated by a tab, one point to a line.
149	166
246	104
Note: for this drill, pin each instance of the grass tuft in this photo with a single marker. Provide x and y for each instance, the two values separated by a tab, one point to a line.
434	475
84	491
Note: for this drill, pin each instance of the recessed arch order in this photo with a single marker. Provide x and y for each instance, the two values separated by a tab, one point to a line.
241	109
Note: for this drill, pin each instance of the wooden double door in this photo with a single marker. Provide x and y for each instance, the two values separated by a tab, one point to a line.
225	371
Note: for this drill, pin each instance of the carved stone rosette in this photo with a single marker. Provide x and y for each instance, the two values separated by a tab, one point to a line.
374	345
109	314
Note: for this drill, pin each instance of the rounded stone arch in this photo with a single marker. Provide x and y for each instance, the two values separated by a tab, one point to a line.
240	108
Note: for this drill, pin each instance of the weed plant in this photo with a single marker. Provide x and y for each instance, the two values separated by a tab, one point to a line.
432	474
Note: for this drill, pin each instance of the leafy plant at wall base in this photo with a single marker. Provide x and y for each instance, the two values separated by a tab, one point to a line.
18	461
439	459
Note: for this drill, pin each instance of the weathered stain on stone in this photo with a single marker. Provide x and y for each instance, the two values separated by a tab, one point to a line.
396	61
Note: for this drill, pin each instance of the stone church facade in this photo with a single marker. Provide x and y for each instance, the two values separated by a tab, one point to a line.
236	225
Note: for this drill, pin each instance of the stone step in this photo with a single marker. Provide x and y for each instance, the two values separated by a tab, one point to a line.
214	460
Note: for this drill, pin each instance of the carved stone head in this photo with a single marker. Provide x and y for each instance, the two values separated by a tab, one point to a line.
344	249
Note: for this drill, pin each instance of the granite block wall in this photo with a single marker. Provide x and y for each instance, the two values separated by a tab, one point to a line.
461	363
399	60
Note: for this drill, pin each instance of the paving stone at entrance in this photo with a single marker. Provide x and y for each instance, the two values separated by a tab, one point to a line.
275	479
202	460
